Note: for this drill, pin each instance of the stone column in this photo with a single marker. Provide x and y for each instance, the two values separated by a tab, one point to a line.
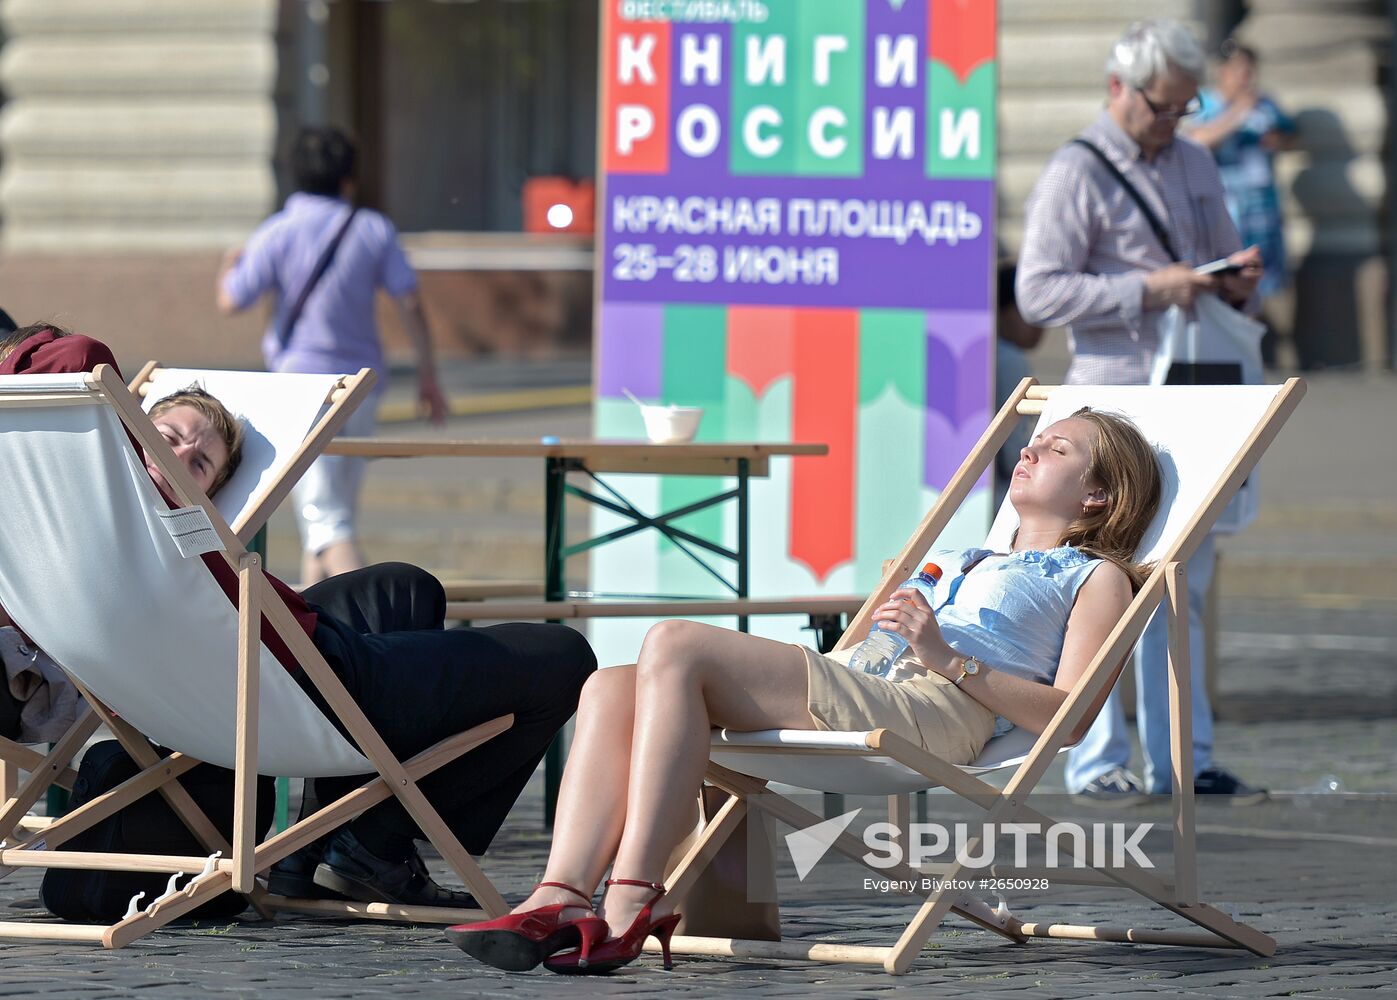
136	144
135	126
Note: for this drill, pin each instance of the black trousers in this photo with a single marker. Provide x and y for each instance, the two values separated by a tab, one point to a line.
381	630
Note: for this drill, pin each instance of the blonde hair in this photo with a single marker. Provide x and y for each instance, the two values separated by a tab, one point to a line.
224	424
1125	465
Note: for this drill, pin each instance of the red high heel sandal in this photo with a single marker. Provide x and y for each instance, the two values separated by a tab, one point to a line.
615	952
519	941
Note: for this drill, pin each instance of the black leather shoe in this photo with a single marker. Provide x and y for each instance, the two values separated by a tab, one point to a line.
294	875
349	869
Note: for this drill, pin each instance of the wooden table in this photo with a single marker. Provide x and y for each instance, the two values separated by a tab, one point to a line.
590	458
740	460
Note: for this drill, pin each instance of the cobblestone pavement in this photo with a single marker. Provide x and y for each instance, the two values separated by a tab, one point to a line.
1314	871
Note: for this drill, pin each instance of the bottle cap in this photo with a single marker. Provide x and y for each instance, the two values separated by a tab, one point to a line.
932	570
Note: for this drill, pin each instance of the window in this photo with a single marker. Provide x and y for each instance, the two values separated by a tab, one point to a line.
456	104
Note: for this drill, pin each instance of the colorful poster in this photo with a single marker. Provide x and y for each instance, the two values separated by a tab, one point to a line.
796	233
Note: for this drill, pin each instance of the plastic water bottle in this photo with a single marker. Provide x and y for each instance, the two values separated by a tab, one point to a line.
882	647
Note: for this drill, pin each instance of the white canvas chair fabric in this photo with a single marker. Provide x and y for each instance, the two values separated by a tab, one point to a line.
1196	430
89	569
277	410
867	774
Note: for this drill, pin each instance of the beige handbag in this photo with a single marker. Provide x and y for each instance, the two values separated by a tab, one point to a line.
735	895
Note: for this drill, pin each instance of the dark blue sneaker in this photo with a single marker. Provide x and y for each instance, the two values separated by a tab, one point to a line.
1225	787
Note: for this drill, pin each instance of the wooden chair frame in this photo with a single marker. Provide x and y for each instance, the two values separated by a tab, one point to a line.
243	860
1010	804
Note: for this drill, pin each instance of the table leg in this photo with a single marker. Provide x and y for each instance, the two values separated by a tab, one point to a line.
555	528
743	470
554	589
827	629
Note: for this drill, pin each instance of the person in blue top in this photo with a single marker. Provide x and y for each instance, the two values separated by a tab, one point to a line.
1011	635
1245	129
336	330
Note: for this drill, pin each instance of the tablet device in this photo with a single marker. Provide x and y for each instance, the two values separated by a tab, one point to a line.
1220	266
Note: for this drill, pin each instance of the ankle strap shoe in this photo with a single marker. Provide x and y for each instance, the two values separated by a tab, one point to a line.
517	942
615	952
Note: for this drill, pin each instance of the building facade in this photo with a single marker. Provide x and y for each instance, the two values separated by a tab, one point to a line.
139	140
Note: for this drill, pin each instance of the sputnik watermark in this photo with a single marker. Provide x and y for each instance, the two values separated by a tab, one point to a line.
974	845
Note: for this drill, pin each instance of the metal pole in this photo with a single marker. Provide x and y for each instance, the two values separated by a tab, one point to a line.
554	589
743	552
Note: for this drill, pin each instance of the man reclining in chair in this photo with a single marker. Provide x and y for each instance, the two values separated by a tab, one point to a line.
1009	637
381	629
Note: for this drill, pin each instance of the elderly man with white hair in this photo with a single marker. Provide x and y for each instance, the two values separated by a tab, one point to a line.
1114	229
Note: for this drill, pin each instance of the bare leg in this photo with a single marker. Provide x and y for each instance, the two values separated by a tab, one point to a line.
689	678
311	572
592	800
341	557
334	559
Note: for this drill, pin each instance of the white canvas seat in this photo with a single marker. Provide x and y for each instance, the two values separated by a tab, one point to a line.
108	580
1208	440
793	757
278	411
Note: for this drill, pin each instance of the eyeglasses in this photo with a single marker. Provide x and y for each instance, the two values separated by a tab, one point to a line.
1160	111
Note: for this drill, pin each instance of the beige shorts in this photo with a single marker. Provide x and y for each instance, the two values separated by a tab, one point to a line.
927	709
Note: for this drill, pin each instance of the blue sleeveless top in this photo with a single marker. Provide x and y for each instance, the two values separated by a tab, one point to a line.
1011	610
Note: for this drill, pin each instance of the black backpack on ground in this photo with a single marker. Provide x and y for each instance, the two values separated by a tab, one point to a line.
146	826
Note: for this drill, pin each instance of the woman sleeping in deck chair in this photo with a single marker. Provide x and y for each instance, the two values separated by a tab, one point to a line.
381	630
1011	635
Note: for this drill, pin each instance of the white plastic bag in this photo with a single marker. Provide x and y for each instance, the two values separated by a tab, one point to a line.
1213	333
1210	333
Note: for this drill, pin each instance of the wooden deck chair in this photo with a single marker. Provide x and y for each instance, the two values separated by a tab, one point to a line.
287	419
97	570
1209	440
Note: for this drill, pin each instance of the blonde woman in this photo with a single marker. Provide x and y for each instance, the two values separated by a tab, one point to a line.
1009	636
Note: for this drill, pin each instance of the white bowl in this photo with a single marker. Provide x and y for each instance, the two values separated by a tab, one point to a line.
671	424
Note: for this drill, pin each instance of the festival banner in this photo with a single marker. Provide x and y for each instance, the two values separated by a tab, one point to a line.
795	232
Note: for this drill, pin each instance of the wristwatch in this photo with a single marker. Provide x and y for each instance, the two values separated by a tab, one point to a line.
969	668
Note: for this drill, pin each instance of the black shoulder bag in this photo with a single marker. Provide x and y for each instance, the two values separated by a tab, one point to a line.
327	256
